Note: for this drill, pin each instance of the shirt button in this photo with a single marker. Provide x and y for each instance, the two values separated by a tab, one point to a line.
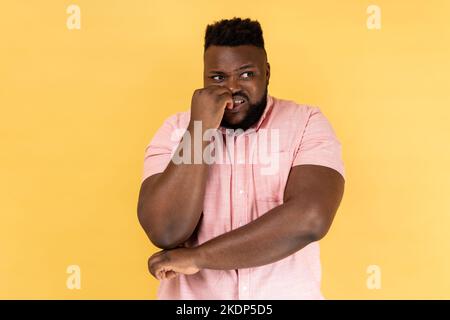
245	288
241	191
240	223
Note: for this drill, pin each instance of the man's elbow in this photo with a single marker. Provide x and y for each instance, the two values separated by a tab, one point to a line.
164	237
319	223
165	242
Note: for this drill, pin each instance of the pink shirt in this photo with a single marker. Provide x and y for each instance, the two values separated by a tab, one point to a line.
239	191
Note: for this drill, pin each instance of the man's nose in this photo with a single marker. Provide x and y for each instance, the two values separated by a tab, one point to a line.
233	84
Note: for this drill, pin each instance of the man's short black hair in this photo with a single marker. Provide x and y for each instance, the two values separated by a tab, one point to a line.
234	32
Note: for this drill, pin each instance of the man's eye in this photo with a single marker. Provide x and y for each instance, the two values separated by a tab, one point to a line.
217	78
247	74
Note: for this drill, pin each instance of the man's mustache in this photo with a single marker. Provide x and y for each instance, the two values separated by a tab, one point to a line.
241	94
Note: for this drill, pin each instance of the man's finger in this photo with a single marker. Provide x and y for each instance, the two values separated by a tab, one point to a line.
154	267
157	254
226	98
156	261
218	89
171	274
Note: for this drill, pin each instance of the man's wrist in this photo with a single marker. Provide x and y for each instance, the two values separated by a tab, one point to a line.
198	255
200	125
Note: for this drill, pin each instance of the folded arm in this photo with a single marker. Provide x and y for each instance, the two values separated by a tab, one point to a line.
311	199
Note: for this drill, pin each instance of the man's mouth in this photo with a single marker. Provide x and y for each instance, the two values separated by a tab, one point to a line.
238	102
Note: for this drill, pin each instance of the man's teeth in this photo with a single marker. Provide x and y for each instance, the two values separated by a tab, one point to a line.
238	101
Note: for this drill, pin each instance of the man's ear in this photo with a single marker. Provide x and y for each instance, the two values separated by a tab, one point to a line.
267	72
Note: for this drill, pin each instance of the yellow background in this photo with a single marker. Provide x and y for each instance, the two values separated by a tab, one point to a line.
78	108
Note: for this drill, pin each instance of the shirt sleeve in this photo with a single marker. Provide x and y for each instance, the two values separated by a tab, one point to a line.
159	151
319	144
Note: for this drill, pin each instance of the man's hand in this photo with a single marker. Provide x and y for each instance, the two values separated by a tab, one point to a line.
168	264
208	105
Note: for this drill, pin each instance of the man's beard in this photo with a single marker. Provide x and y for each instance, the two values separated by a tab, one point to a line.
255	112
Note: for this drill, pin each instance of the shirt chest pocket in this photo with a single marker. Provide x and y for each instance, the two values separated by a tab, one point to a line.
270	176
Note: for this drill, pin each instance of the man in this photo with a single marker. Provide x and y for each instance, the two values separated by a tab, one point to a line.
230	229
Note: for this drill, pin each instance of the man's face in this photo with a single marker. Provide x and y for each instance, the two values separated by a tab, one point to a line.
245	71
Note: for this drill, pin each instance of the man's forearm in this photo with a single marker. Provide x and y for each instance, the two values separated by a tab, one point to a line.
272	237
311	199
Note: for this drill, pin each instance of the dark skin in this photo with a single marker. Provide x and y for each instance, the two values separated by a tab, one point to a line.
243	70
170	203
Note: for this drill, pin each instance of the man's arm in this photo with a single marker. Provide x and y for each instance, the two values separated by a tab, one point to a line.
312	197
171	203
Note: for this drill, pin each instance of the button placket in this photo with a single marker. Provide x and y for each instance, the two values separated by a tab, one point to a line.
244	284
241	211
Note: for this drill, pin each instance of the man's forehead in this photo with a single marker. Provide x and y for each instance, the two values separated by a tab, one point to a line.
232	58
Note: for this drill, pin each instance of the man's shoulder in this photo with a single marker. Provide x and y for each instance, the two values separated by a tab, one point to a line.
178	120
291	111
292	107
